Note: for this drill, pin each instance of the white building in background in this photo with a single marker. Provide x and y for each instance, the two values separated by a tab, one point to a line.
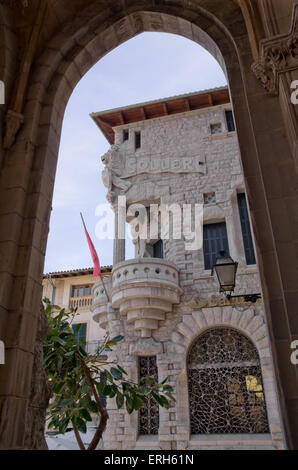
73	288
166	302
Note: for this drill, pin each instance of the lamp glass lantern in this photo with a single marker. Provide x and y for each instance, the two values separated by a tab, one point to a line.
226	269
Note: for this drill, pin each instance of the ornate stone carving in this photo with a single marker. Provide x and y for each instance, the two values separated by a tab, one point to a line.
278	55
113	171
143	290
197	303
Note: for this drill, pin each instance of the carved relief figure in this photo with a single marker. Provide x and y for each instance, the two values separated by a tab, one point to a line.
111	175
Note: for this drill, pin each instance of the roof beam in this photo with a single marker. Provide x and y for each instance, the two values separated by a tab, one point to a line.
143	111
122	120
187	104
165	108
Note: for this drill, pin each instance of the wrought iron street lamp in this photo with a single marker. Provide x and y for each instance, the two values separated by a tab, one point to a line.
226	269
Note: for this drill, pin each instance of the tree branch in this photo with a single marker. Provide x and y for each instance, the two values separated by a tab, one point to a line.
78	438
104	416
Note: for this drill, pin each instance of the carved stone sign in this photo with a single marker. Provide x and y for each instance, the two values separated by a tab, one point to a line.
155	164
197	303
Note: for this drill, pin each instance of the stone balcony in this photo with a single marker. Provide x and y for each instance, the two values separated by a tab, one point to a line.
143	290
101	306
81	303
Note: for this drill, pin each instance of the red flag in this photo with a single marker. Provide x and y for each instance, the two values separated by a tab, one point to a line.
96	269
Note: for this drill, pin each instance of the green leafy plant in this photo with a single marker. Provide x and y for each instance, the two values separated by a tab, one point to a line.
79	380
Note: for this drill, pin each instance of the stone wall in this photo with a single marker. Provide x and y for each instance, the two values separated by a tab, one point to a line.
187	135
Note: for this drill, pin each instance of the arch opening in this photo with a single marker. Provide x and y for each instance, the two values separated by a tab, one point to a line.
55	73
225	386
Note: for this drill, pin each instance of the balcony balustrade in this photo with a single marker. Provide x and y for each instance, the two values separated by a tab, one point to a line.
143	290
81	302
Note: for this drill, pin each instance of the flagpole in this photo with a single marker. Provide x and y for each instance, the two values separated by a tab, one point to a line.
101	277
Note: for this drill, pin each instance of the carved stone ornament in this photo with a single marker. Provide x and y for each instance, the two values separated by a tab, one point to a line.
278	54
197	303
111	175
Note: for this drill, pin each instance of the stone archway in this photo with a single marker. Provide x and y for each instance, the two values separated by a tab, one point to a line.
28	174
250	324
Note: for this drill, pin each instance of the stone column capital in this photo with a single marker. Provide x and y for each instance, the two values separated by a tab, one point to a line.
278	55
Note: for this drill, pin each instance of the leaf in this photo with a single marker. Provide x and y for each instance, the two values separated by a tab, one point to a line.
125	386
93	406
69	354
56	339
100	386
145	390
119	400
138	402
63	425
168	388
60	363
129	405
86	415
80	424
113	391
117	374
58	387
122	370
65	403
160	400
170	396
108	375
117	339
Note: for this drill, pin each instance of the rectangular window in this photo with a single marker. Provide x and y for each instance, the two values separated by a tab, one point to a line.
81	291
246	231
215	239
137	140
230	121
158	249
215	129
149	414
80	332
209	198
125	135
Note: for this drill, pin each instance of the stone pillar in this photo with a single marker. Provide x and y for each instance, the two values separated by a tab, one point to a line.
119	235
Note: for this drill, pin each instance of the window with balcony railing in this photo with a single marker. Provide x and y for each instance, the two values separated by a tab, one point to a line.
81	296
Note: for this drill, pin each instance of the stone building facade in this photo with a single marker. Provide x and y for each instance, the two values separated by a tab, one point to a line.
46	48
166	302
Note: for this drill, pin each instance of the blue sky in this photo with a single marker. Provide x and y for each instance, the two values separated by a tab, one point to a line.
147	67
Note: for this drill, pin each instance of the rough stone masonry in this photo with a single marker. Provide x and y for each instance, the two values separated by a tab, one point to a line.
163	306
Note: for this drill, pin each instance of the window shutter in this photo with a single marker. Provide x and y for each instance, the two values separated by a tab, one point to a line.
215	239
246	232
230	121
158	249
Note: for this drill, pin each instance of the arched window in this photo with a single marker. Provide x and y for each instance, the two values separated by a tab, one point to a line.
225	385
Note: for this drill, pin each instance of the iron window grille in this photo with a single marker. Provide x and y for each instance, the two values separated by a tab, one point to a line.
225	385
149	414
